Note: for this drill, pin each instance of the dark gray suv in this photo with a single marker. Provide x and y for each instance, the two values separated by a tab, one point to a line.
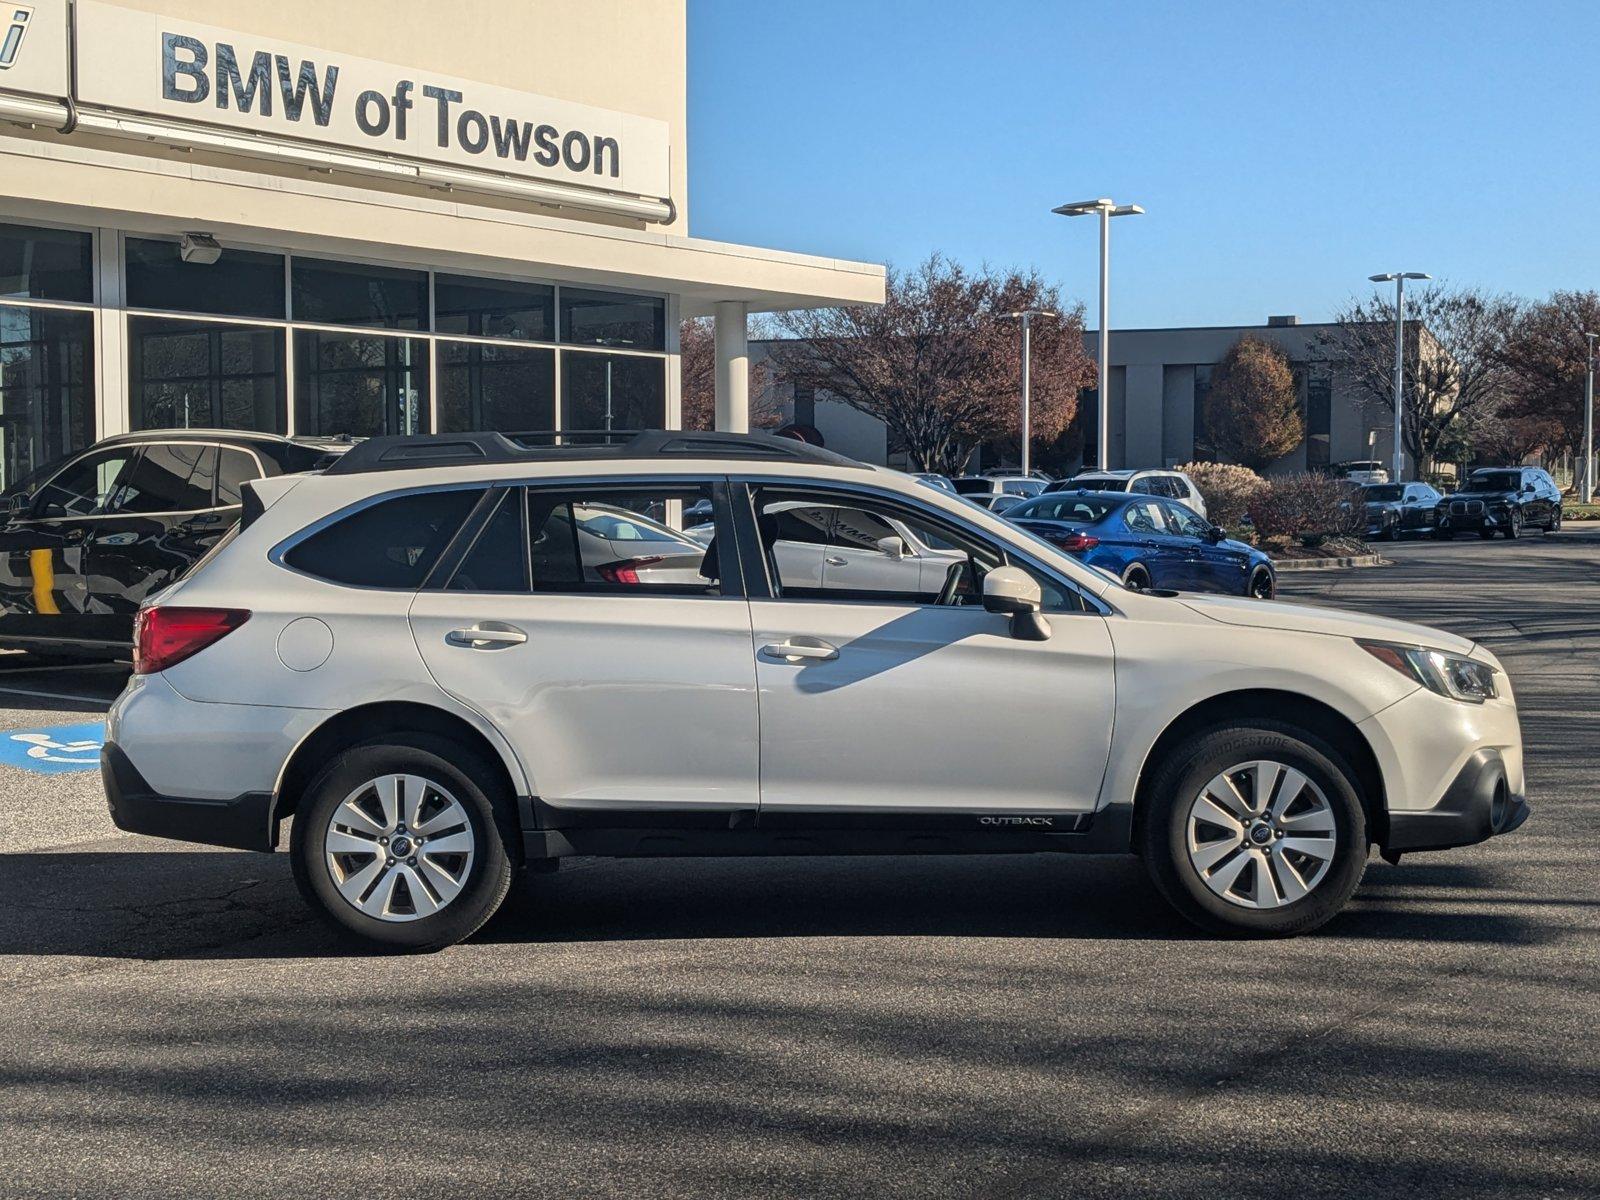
1503	500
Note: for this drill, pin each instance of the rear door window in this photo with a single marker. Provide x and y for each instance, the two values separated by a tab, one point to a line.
391	544
170	477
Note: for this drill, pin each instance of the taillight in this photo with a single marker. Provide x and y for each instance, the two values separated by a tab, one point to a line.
1077	541
166	635
626	571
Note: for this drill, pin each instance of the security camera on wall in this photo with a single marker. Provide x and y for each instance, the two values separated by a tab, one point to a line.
199	248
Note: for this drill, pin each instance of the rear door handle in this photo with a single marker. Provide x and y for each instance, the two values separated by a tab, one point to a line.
479	638
796	648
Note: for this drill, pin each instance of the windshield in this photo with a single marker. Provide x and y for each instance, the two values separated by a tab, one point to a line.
1058	506
1496	481
1383	492
1099	483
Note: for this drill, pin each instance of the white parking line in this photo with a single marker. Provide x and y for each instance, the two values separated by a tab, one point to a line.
53	695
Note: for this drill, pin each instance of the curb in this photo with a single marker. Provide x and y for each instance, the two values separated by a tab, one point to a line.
1329	564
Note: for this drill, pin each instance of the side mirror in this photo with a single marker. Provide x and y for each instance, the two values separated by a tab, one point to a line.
1215	533
1529	488
1012	592
894	547
18	504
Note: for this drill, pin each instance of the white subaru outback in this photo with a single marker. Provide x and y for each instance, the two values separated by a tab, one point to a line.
416	655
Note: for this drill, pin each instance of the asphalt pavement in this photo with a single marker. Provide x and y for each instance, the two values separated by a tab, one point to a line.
174	1023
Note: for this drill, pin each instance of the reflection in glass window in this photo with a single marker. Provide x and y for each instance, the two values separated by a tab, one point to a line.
496	308
617	543
242	283
46	387
609	319
196	375
612	392
509	388
170	477
335	293
46	264
235	469
84	487
391	544
359	384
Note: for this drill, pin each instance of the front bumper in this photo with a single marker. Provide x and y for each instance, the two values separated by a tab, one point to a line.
244	822
1478	805
1487	518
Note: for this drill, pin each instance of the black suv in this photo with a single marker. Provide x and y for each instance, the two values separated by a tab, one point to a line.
86	539
1501	500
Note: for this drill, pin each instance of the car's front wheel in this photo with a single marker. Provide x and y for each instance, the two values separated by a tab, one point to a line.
409	845
1514	528
1254	829
1262	584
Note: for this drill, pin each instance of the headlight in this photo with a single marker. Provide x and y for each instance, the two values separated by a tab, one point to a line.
1447	674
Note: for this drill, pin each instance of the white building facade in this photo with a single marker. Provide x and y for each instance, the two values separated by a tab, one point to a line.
358	218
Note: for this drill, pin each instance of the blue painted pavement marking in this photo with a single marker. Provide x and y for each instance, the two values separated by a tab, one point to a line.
55	748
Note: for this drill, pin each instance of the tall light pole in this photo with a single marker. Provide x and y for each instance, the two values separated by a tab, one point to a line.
1586	489
1026	316
1399	278
1106	210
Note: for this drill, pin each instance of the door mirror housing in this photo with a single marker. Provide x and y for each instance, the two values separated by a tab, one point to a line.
1215	534
894	547
1012	592
18	504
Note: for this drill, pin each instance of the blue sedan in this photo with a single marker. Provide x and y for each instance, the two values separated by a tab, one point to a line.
1147	542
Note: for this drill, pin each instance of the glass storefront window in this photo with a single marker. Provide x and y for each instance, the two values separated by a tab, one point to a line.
46	387
46	264
497	308
612	392
358	384
203	375
610	319
509	388
242	283
336	293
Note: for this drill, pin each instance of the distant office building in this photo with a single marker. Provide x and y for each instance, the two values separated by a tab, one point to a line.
1159	379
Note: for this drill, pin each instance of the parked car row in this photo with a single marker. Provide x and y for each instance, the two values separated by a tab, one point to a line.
1503	500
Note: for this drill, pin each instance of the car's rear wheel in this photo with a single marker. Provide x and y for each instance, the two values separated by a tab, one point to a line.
1136	579
1255	830
1262	584
409	846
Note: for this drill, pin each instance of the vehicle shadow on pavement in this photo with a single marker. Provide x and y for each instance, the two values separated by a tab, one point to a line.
204	904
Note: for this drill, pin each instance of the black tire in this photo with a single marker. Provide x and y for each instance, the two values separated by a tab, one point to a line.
1444	535
1188	767
1486	534
1262	584
1136	579
1388	533
1514	530
497	851
1555	521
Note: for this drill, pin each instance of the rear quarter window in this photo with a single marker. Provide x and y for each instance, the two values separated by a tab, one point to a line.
391	544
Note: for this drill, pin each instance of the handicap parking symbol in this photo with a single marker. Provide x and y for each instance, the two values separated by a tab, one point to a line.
54	749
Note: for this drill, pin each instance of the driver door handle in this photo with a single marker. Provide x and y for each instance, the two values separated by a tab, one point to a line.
477	638
833	560
795	649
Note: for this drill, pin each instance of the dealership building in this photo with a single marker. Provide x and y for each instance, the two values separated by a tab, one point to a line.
358	218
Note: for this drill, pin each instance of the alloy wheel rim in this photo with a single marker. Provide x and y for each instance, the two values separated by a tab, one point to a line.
1261	585
1261	835
399	848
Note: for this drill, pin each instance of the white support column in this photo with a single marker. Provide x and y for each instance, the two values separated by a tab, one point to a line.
733	366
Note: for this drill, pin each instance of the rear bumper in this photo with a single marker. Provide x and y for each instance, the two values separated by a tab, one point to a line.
244	822
1478	805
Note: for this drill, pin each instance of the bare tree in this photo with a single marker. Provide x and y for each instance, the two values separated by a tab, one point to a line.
1456	379
936	364
1252	415
1545	354
697	359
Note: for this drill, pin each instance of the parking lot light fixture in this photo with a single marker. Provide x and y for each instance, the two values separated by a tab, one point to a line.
1026	317
1105	208
1586	488
1399	278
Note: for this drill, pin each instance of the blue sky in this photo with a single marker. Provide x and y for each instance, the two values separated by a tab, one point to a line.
1283	151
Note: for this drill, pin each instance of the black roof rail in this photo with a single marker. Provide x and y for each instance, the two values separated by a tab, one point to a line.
415	451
